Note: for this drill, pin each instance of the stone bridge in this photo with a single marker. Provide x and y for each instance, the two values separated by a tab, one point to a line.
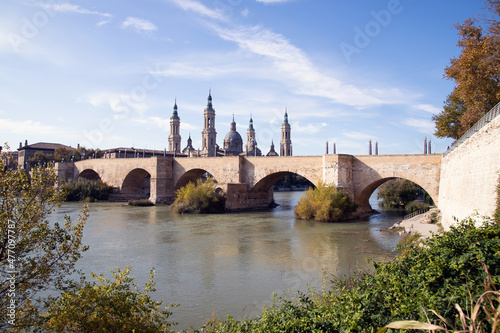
248	181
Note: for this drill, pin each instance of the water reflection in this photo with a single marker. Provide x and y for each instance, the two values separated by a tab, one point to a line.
230	263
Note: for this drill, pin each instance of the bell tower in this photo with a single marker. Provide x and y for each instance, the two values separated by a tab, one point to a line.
174	139
286	140
209	135
250	136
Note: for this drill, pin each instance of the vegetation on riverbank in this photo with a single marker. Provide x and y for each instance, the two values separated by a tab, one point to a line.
325	203
140	203
455	267
86	190
200	198
402	193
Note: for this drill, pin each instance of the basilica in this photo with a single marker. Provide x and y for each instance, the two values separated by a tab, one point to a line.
233	142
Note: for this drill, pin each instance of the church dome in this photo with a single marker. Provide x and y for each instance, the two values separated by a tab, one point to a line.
233	143
233	136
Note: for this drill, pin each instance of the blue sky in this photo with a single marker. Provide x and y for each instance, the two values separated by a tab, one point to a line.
106	73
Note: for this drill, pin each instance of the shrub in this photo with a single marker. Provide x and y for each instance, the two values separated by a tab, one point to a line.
140	203
325	203
108	306
200	198
87	190
414	206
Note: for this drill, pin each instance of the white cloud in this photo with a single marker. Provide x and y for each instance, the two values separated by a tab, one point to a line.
296	69
138	24
428	108
422	125
26	126
358	136
121	104
71	8
200	9
309	128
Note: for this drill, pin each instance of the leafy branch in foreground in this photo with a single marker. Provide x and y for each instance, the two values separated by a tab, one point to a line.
35	254
108	306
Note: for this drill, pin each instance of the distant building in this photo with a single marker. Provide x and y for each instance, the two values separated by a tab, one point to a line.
272	152
28	151
286	140
189	151
138	153
233	143
174	139
209	134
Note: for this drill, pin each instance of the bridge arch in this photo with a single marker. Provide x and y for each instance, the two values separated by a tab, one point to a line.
191	176
267	182
362	199
88	174
137	184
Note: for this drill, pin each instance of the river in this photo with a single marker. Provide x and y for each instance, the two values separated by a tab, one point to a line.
230	263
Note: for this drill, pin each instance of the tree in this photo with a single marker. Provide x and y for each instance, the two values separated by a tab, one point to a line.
35	254
448	123
108	306
476	73
325	203
398	193
41	158
200	198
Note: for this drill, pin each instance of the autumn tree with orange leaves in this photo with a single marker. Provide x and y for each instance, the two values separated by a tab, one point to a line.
476	73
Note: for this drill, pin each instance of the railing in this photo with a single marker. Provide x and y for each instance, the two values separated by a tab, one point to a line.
487	118
415	213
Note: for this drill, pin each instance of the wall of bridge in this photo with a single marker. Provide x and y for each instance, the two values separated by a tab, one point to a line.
469	176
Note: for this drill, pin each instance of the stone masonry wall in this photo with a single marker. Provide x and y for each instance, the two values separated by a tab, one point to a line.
469	176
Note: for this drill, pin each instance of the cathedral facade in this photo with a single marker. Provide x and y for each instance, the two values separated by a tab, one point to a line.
233	142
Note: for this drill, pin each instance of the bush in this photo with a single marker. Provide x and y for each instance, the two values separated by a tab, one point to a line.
86	190
449	269
414	206
325	203
108	306
140	203
200	198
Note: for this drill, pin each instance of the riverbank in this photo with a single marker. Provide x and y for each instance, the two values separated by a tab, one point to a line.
422	224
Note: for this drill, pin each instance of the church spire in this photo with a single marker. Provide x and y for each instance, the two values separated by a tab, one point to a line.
285	121
175	115
250	127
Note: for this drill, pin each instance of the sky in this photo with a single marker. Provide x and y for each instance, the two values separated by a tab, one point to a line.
106	74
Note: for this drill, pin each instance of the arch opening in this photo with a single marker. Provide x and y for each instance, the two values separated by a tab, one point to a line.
262	194
89	174
192	176
137	184
409	190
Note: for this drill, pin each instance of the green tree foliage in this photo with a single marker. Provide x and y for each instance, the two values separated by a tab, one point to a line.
476	73
291	181
398	193
86	190
35	255
41	158
108	306
325	203
449	269
200	198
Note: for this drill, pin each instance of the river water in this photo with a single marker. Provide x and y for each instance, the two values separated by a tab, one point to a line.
230	263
